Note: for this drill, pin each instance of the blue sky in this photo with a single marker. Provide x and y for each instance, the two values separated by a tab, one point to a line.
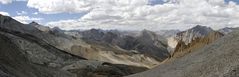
19	6
232	0
108	17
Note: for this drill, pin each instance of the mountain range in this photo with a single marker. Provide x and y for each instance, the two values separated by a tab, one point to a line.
27	51
34	50
218	59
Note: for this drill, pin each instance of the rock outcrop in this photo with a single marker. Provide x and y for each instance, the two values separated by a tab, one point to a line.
193	33
40	27
218	59
226	30
192	39
182	48
15	63
188	36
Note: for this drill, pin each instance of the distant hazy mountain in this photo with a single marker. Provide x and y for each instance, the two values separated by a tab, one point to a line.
146	42
167	33
218	59
152	44
226	30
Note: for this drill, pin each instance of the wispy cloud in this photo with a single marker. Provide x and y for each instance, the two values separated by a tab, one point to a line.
35	13
21	13
26	19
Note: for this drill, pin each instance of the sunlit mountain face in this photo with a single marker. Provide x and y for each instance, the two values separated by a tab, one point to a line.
119	38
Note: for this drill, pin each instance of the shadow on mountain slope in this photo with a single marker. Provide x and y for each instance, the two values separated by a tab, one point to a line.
218	59
13	63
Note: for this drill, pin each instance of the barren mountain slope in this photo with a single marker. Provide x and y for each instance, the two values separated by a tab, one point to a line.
219	59
25	54
198	43
188	36
75	46
14	63
226	30
145	49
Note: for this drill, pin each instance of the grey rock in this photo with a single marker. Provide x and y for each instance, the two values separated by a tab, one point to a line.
226	30
27	51
146	42
218	59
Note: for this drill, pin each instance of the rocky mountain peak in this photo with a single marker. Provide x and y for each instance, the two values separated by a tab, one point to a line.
189	35
201	29
219	59
33	23
56	29
182	48
39	26
92	34
226	30
195	32
147	34
7	19
149	37
9	23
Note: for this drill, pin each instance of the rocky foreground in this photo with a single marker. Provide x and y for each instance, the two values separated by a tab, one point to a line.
218	59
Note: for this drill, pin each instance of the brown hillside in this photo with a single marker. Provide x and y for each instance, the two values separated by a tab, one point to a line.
183	49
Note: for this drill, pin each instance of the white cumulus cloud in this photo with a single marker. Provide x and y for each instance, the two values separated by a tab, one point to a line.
9	1
21	13
58	6
138	14
5	1
4	13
